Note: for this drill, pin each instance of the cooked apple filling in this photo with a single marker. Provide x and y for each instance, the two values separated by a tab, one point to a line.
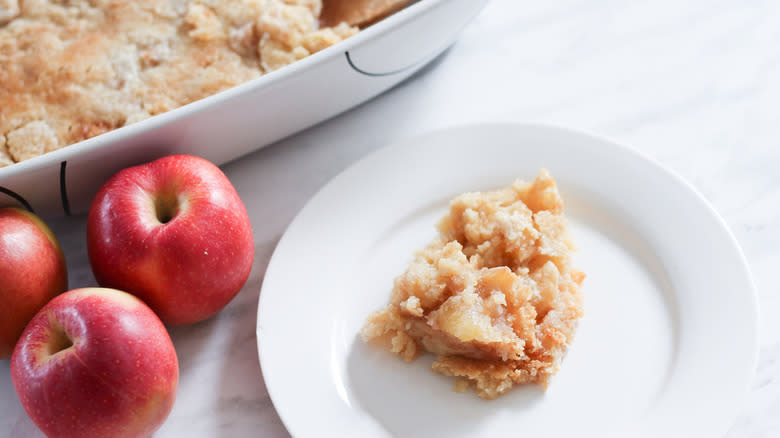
494	296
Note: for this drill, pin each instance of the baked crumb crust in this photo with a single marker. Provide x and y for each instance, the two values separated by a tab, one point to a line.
70	70
494	296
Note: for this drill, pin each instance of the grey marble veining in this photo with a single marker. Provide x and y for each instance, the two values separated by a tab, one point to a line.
692	84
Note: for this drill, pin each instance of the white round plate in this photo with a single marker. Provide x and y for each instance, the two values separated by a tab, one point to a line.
667	346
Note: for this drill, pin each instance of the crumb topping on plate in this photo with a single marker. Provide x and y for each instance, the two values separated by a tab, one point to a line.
494	296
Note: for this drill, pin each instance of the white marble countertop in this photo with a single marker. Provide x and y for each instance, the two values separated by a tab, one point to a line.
692	84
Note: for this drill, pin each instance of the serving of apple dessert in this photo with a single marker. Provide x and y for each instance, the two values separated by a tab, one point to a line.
494	296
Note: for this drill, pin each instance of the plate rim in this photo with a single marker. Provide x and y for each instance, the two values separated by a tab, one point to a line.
750	291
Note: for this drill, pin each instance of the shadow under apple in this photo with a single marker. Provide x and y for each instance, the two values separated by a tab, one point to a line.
243	401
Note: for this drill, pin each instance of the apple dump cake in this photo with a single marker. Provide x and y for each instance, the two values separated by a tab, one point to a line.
72	69
494	296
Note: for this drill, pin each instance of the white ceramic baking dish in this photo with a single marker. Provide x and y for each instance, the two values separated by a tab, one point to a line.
234	122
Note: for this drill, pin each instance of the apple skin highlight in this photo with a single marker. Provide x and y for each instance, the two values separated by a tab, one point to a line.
173	232
96	362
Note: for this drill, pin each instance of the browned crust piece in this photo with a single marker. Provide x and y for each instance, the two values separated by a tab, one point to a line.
359	13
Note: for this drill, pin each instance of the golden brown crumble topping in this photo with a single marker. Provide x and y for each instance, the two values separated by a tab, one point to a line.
494	296
70	70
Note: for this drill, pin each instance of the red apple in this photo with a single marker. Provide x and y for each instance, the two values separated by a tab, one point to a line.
174	233
96	363
32	271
